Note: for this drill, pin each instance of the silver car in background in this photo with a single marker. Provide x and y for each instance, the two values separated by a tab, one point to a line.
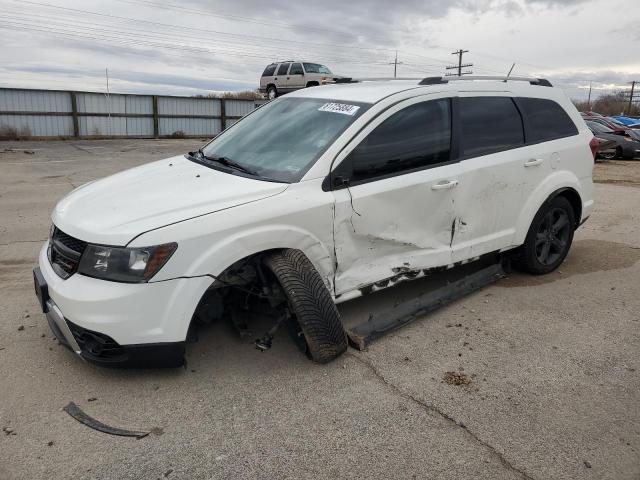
284	77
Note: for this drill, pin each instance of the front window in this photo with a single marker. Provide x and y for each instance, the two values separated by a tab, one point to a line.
281	140
316	68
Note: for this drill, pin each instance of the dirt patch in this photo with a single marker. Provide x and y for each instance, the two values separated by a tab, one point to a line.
456	378
585	256
618	172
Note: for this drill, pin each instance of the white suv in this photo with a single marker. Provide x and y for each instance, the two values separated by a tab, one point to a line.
313	199
284	77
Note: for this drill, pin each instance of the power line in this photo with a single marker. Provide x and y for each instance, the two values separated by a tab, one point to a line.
460	65
152	39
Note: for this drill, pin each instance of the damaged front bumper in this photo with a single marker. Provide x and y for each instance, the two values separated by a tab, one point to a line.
98	348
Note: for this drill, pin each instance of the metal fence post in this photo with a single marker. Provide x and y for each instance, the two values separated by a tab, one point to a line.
154	100
223	114
74	114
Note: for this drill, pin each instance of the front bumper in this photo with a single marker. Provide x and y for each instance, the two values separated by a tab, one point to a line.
119	324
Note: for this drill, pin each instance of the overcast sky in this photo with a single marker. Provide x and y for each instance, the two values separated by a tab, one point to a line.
199	46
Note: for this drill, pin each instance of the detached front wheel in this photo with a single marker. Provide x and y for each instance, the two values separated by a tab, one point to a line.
311	304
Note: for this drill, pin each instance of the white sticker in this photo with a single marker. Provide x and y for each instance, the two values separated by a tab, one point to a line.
339	108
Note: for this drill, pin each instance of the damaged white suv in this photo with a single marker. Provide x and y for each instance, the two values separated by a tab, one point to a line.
311	200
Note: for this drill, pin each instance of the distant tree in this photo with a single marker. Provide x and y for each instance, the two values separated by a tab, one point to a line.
611	104
242	95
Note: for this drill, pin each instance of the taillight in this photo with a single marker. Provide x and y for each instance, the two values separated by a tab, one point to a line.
593	144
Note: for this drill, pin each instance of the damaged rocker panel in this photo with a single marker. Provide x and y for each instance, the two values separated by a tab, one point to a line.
382	323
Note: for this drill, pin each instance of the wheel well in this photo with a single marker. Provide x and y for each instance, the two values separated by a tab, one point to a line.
574	199
312	84
271	85
242	275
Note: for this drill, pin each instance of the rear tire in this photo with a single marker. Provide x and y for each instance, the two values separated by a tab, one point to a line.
618	153
609	155
272	92
311	303
549	238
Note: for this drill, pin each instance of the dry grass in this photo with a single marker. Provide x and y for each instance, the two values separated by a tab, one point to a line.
11	133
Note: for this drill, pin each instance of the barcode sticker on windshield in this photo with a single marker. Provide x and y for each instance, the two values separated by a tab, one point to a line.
339	108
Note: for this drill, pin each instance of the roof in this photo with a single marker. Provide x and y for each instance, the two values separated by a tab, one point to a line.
374	91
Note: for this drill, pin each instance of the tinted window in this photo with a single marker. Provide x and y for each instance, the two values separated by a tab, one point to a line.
282	69
269	71
296	69
488	125
415	137
546	120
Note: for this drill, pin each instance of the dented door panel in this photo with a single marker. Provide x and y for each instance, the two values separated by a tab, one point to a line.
393	228
491	200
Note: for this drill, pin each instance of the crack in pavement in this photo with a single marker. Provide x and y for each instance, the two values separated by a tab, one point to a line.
22	241
431	407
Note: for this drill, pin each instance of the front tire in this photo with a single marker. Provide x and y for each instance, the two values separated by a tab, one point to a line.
311	303
549	238
272	92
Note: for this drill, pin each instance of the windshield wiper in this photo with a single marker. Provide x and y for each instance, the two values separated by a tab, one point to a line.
227	162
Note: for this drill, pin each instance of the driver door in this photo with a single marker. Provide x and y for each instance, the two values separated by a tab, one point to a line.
395	186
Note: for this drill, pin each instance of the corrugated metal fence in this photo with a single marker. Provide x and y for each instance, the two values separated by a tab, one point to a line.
55	113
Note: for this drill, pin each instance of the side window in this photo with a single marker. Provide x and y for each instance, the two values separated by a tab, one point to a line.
269	71
296	69
546	120
489	125
415	137
282	69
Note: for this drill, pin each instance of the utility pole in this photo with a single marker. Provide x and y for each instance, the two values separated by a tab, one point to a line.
589	100
460	64
633	87
395	64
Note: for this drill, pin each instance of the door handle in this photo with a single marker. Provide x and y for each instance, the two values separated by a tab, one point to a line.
533	162
444	185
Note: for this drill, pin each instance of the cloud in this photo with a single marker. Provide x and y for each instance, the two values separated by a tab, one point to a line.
198	46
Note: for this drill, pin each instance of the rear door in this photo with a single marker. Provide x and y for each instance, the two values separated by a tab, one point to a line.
280	79
395	186
499	171
295	78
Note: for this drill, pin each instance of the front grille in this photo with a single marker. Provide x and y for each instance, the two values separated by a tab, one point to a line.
69	242
65	252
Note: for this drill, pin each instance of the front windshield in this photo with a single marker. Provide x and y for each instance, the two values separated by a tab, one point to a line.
281	140
316	68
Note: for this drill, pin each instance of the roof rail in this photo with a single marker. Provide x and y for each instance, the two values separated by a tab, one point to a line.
440	80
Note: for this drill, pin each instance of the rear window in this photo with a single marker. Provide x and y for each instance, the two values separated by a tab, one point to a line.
269	70
282	69
546	120
489	125
296	69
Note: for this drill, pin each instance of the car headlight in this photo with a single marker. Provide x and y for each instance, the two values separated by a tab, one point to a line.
121	264
629	139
